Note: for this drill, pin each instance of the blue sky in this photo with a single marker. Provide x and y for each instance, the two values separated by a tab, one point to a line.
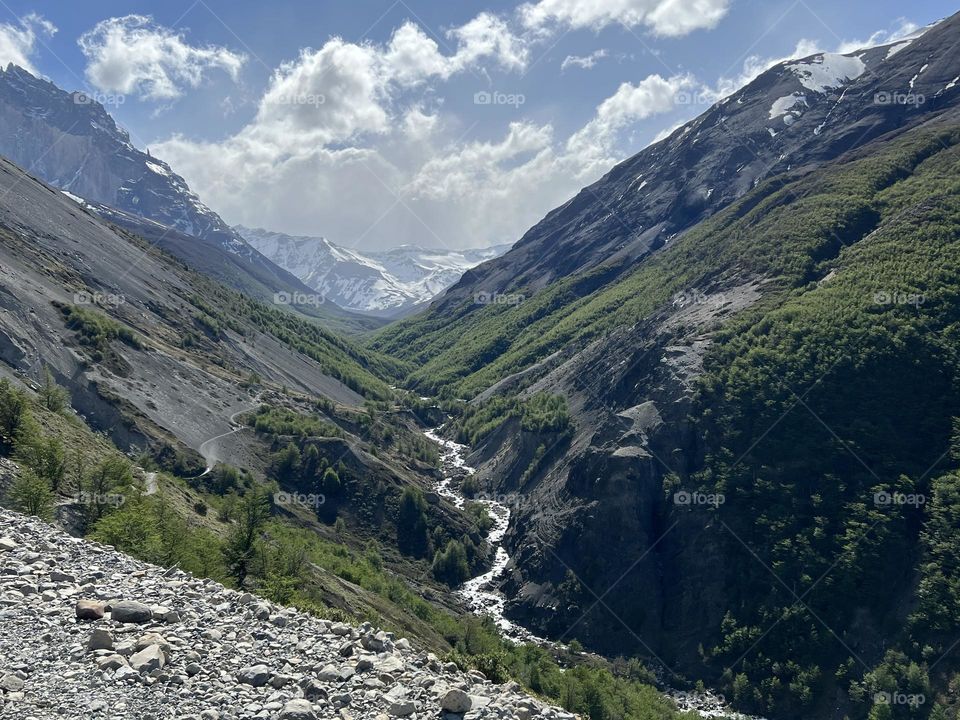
430	122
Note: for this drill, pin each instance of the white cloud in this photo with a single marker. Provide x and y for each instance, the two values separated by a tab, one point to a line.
672	18
586	62
654	95
18	42
327	95
904	30
132	54
366	168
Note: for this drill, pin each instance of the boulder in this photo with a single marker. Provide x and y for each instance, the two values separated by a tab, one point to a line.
148	659
456	701
100	639
403	708
255	675
11	683
89	610
129	611
298	710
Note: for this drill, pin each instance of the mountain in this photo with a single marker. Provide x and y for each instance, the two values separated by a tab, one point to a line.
722	405
796	115
164	415
392	282
71	141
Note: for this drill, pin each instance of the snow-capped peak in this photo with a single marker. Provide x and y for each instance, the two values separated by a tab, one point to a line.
385	282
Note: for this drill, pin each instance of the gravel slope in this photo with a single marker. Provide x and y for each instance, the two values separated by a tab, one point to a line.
190	648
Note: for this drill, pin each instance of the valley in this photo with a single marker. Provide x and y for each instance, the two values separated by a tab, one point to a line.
688	448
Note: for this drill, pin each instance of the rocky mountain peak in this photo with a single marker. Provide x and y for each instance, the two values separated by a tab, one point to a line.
71	141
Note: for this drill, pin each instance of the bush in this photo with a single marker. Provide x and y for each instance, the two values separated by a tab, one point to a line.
53	397
14	416
450	565
412	532
31	495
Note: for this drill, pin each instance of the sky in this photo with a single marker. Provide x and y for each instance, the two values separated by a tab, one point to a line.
429	122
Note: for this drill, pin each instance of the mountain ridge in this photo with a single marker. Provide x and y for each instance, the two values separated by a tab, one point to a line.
72	142
392	282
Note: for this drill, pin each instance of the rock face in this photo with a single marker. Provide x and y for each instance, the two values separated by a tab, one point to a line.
94	159
217	660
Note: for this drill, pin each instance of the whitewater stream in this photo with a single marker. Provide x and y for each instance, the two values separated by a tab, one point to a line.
482	594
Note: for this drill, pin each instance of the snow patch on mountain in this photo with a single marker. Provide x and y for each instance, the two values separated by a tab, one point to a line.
385	283
827	71
787	102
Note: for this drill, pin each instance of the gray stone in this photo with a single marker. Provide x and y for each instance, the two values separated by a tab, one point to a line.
100	639
456	701
403	708
149	659
129	611
255	675
11	683
89	610
111	662
298	710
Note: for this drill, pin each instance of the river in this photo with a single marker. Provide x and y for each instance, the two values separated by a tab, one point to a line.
482	594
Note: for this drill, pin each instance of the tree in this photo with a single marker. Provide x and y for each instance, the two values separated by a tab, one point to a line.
450	565
53	397
103	483
412	533
286	463
331	484
252	513
31	495
45	456
14	414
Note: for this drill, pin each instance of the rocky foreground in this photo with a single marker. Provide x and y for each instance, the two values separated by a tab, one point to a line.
87	632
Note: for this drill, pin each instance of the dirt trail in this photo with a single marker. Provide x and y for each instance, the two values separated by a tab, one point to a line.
209	448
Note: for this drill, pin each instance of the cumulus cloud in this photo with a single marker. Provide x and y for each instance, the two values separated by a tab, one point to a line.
18	42
585	62
654	95
904	30
672	18
133	54
412	56
367	170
